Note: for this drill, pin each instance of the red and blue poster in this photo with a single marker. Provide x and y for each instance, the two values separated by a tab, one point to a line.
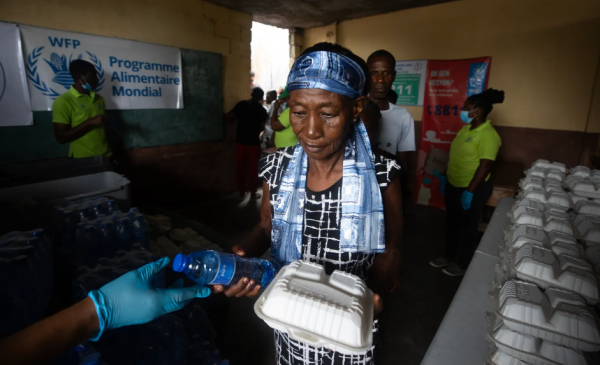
447	86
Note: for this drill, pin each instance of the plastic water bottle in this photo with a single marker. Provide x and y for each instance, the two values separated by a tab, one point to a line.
125	233
66	227
141	231
92	245
77	252
98	208
108	234
132	212
211	267
112	207
84	213
115	216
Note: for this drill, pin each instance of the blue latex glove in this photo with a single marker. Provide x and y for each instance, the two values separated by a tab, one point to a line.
443	180
131	299
466	199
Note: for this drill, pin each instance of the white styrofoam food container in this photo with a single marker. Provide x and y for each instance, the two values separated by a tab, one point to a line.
545	173
545	269
554	315
335	312
587	229
533	350
549	184
498	357
592	253
552	199
588	187
559	243
545	164
588	207
535	204
580	171
550	221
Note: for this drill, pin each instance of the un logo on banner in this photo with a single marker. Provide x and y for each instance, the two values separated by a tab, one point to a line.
2	81
59	65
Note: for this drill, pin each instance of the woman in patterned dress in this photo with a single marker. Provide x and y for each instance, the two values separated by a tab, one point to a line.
348	202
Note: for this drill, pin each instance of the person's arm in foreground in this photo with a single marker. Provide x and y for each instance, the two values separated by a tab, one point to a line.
275	123
386	273
64	133
128	300
256	245
47	339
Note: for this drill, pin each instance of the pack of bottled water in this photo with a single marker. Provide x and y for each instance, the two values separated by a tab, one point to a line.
95	228
108	269
25	258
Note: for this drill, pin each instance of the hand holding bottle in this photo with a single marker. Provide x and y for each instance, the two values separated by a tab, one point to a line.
245	287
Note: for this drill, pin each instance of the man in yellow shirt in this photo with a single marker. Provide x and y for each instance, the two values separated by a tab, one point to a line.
78	115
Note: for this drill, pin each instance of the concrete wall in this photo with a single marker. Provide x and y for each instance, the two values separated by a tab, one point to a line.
545	53
192	24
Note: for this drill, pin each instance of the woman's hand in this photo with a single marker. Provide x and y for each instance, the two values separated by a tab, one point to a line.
377	303
243	288
386	273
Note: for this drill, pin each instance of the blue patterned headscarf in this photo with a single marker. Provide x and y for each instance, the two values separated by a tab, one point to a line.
362	226
328	71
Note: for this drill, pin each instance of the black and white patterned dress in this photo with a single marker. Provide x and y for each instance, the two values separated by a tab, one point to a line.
321	244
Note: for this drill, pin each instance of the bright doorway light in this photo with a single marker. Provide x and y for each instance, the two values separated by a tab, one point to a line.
270	56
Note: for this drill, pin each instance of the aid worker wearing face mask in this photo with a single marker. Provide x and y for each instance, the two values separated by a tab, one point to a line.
468	186
78	115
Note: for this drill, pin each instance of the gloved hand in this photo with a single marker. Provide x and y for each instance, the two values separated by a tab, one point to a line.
131	299
466	199
443	180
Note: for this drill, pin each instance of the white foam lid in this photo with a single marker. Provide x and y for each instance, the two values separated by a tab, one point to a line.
335	312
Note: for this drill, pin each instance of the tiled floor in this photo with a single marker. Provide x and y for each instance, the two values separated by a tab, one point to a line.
411	314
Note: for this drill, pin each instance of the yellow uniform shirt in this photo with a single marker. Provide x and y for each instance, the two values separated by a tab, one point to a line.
73	108
470	146
286	137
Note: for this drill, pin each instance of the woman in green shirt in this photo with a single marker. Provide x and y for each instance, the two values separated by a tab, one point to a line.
468	188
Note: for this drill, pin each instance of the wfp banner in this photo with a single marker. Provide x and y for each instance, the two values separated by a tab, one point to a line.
410	82
132	75
15	107
448	85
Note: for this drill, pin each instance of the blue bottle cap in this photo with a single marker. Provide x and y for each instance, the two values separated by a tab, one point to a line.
179	262
92	359
78	348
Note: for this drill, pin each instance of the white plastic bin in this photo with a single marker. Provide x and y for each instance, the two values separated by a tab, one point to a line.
106	183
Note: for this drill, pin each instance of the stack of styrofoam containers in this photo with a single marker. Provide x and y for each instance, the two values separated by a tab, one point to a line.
583	184
545	281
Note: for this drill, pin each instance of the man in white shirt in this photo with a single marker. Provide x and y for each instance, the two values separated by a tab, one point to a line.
397	127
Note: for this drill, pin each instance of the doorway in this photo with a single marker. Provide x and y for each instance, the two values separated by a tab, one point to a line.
270	56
